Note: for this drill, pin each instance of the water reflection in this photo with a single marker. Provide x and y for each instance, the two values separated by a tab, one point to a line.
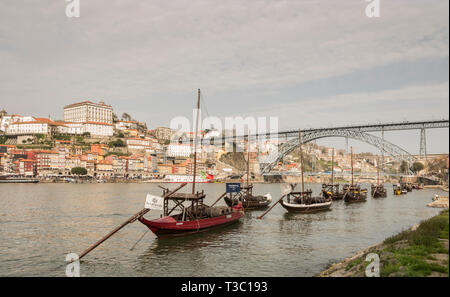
40	224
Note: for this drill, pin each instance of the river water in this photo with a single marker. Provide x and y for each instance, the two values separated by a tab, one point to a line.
41	223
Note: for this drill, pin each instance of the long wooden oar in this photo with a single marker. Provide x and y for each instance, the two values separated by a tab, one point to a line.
130	220
218	199
261	216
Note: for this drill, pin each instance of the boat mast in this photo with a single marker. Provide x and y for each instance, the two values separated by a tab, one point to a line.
351	149
332	167
378	173
301	157
248	163
195	143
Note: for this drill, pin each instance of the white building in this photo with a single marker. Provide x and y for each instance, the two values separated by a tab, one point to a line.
98	129
124	125
138	143
72	128
38	126
7	120
88	111
179	150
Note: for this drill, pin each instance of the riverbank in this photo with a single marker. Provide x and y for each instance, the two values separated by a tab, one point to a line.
441	187
418	252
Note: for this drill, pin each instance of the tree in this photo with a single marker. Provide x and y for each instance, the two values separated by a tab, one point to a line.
79	171
117	143
417	166
86	134
404	167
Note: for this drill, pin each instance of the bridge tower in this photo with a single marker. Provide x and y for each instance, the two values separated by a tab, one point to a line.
423	144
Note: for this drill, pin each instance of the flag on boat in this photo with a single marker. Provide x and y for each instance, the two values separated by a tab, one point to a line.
233	187
154	202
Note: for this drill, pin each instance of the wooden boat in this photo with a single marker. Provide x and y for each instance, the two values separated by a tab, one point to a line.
246	197
17	179
303	201
378	190
354	193
193	214
331	191
398	190
196	217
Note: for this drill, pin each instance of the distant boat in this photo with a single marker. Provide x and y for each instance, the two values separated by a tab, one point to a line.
245	195
174	178
302	201
398	190
17	179
331	191
353	192
378	190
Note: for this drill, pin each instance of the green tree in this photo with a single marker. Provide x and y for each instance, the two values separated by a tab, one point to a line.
79	171
404	167
117	143
86	134
417	166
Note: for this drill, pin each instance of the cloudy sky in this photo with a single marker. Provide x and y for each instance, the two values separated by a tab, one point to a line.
312	63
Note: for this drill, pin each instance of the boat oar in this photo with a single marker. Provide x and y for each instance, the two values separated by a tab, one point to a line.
218	199
130	220
261	216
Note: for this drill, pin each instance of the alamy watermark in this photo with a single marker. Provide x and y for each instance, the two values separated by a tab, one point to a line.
373	8
73	268
373	269
231	132
73	8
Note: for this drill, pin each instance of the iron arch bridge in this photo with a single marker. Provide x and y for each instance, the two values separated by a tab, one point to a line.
399	154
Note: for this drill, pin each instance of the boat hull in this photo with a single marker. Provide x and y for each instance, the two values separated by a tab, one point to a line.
168	226
355	197
249	204
19	181
306	208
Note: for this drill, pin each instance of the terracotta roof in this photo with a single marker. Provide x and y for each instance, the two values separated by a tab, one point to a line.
87	103
97	123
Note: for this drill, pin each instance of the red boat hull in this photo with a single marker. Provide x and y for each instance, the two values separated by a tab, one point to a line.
168	226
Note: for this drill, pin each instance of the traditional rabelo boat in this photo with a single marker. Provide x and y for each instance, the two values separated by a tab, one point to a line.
303	201
331	191
193	214
378	190
354	193
399	190
245	195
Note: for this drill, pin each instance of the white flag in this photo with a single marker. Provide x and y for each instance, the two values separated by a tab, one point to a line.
154	202
287	188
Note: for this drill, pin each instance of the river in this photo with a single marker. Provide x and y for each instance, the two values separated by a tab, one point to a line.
41	223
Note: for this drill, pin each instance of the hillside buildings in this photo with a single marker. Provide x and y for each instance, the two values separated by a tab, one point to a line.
88	111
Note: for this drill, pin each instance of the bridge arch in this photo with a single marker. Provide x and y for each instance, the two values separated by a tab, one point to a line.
385	146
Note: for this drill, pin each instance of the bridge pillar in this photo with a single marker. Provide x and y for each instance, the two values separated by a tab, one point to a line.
423	144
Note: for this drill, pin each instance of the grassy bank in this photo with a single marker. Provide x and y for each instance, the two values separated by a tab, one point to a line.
418	252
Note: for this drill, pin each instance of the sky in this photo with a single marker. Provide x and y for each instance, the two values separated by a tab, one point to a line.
312	63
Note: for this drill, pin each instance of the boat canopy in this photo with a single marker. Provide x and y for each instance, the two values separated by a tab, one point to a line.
187	196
